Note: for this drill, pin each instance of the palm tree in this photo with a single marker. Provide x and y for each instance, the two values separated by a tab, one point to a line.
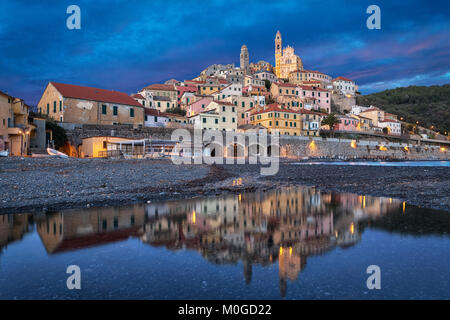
330	121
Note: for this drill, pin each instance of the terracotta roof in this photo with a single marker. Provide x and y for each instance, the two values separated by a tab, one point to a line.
371	109
389	120
274	108
312	88
357	115
309	71
342	78
94	94
311	81
163	87
226	103
156	112
195	81
305	111
137	96
290	85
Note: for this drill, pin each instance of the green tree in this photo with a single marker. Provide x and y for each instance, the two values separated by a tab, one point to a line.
267	83
176	110
59	134
330	121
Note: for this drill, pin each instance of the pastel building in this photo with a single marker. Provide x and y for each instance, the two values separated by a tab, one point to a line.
87	105
273	117
160	96
346	123
234	89
302	77
393	127
197	107
265	75
345	86
310	122
155	118
322	97
15	129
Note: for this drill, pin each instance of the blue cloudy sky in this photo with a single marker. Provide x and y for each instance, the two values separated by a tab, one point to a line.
125	44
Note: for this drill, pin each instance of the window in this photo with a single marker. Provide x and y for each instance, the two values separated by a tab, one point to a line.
105	144
103	108
232	109
48	108
54	106
114	110
131	112
233	120
204	120
60	105
145	117
223	108
216	121
224	119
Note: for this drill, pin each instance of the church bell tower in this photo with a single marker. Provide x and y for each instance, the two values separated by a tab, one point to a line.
278	53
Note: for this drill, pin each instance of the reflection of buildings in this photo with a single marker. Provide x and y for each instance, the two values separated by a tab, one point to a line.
281	226
73	230
260	228
12	228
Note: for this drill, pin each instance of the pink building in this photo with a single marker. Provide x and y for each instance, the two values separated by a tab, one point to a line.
322	97
346	124
197	107
182	89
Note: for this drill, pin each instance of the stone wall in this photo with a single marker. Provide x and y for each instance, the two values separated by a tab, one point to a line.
290	147
340	102
302	147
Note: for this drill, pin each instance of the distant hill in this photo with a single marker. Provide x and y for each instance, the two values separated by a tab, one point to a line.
428	105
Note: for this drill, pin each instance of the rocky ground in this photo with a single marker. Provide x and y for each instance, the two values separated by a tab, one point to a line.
48	184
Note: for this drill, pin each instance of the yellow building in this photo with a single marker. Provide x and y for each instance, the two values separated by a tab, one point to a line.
364	124
15	129
285	59
273	117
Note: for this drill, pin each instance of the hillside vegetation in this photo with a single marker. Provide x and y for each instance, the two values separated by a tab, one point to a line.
428	105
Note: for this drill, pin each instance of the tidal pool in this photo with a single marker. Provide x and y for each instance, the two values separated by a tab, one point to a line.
290	243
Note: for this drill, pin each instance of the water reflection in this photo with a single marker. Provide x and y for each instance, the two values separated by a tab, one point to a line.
280	227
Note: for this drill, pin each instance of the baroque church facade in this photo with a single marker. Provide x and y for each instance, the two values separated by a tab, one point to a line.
285	59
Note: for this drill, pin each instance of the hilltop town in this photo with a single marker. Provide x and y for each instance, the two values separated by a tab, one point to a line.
286	97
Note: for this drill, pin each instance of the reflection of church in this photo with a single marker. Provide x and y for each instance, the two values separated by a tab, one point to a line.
262	228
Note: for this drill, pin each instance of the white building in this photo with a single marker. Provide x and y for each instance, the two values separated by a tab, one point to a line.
205	120
265	75
356	110
251	80
234	89
155	118
394	127
227	114
345	86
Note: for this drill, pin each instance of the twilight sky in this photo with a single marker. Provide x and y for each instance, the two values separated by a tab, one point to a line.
125	45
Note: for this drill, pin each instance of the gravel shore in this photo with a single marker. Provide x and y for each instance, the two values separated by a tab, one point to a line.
49	184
